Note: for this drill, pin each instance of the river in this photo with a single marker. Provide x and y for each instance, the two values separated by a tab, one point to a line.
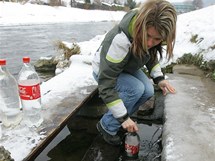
38	40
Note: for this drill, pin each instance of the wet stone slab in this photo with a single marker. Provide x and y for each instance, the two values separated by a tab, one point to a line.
189	131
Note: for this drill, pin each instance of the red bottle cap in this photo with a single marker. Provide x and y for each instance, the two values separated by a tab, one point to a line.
26	59
2	62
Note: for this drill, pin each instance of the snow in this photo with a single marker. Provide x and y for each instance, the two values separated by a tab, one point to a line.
191	24
200	22
189	129
17	14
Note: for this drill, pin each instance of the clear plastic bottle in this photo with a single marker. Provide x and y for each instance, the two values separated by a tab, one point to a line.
132	146
0	130
10	112
29	91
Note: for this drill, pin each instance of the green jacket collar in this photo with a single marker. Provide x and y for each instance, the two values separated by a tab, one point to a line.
127	23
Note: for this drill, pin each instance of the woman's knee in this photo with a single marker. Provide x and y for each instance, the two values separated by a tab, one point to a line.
131	94
139	89
149	91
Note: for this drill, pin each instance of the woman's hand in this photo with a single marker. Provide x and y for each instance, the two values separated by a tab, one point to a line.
166	87
130	125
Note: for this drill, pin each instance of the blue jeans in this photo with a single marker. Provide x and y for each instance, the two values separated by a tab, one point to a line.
134	90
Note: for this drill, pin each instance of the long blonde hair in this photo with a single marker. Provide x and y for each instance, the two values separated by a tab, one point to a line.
160	14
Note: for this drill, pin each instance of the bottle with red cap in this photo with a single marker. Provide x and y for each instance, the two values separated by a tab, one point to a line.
10	112
29	92
132	146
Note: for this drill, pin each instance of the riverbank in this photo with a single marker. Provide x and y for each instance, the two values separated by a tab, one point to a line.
27	14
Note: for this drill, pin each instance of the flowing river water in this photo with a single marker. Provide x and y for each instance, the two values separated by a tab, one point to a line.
38	40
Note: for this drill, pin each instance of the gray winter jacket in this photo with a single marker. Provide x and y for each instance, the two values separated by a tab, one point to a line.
113	57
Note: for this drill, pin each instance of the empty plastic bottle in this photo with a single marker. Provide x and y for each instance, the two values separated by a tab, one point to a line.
10	112
29	91
132	146
0	130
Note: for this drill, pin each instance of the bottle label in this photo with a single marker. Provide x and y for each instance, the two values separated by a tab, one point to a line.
131	149
29	92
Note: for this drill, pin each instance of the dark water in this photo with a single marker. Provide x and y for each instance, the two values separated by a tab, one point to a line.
79	140
36	41
72	143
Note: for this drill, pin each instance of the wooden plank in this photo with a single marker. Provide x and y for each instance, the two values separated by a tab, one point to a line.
59	116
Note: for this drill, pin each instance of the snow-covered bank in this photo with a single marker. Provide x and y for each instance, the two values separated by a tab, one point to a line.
17	14
199	23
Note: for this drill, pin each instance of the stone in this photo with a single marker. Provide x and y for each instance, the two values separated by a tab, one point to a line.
5	155
45	65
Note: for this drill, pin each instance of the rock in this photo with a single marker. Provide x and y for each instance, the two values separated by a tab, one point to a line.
59	62
46	64
147	107
188	69
5	155
152	110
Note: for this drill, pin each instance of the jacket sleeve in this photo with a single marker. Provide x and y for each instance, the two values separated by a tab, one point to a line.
155	70
112	60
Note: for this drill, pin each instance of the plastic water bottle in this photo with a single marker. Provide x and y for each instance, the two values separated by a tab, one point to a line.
10	112
132	146
0	130
29	91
